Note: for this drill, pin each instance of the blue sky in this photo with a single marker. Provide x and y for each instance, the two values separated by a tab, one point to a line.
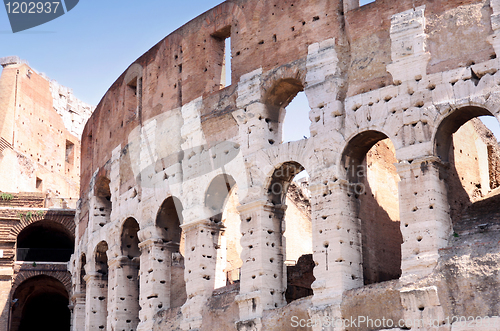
89	47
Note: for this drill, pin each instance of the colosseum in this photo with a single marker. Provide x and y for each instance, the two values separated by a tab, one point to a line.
189	215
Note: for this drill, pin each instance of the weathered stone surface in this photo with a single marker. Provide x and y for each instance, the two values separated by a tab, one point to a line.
392	179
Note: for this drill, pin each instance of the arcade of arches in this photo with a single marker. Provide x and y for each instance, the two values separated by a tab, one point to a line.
190	216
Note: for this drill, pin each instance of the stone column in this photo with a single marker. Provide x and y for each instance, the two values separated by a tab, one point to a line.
155	274
424	213
124	294
96	302
336	241
263	273
78	315
202	239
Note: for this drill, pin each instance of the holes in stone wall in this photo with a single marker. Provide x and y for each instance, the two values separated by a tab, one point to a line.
102	203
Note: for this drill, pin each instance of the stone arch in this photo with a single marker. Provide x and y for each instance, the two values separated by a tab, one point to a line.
288	233
127	285
97	289
101	259
217	195
468	175
285	86
170	251
221	200
66	220
82	272
367	163
45	241
169	219
449	124
102	204
301	152
355	150
62	276
41	302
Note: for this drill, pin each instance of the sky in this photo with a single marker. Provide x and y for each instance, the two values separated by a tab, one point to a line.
89	47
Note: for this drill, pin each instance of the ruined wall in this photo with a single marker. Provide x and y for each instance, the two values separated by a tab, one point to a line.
41	150
39	188
389	85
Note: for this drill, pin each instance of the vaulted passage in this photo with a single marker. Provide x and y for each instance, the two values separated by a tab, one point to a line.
472	154
292	229
369	161
41	303
45	241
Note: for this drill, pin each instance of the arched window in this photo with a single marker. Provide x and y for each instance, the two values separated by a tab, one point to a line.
45	241
369	160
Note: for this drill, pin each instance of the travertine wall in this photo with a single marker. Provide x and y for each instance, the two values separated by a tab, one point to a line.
40	128
40	150
388	85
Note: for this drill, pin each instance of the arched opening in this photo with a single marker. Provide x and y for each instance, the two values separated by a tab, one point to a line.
83	262
368	161
102	203
290	195
471	153
296	122
279	96
222	199
40	303
97	290
45	241
169	220
128	282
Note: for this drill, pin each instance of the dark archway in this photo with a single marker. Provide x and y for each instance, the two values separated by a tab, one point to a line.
291	237
45	241
368	162
41	303
222	200
169	220
103	206
83	262
128	303
444	134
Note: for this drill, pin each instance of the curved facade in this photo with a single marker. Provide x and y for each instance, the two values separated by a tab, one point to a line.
170	142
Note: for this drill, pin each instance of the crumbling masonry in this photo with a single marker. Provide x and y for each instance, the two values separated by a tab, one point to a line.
183	221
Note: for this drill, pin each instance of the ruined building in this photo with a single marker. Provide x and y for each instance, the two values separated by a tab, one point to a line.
40	127
184	221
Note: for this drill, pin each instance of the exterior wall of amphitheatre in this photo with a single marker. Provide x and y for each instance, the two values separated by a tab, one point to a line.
403	195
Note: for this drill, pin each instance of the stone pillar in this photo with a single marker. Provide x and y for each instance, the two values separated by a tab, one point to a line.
202	239
336	241
263	273
155	274
78	315
97	302
124	294
424	213
408	46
